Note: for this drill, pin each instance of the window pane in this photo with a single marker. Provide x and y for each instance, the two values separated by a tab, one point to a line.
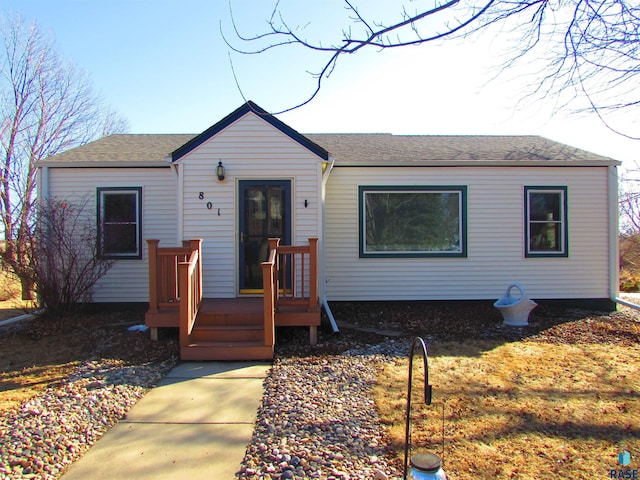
413	222
120	239
276	211
119	207
545	237
544	206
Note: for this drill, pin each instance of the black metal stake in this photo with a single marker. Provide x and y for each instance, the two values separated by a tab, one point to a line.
427	395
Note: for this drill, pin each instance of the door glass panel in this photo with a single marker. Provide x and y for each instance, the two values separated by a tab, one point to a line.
264	218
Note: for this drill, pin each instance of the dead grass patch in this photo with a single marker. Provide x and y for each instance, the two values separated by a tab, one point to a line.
30	362
525	410
11	305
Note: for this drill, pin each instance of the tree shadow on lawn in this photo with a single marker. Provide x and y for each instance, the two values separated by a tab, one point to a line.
524	407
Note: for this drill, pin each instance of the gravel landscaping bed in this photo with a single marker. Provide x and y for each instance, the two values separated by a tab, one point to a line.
318	419
114	368
48	433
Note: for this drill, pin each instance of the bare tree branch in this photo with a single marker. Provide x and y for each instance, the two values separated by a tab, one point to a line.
590	48
378	38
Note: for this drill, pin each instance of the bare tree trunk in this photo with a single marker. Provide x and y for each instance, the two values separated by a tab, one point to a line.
27	289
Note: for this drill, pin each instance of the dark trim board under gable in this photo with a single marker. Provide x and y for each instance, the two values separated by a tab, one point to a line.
240	112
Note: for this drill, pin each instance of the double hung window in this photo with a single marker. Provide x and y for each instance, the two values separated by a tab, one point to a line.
119	223
546	222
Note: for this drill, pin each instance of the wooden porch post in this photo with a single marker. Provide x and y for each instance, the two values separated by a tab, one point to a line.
153	275
313	286
197	245
185	302
274	243
268	302
313	273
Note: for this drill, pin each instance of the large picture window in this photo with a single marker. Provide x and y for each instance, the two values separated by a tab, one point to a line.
119	223
546	221
412	221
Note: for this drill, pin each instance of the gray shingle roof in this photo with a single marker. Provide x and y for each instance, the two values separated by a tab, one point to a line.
122	149
407	150
353	149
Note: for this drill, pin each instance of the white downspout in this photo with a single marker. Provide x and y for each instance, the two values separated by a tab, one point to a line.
42	181
614	246
323	269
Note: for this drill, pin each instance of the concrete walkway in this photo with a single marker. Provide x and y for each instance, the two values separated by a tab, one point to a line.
195	424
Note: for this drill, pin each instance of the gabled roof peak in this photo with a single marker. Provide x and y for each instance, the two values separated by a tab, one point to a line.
249	107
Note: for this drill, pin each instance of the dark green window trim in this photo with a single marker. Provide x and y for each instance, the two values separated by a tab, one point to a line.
557	225
461	252
104	226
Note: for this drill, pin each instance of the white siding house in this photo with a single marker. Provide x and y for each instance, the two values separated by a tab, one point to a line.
496	210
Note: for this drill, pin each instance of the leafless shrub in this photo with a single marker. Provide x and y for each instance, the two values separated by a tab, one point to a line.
64	262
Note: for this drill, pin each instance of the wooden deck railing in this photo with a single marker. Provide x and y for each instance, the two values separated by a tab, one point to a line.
190	286
164	291
296	274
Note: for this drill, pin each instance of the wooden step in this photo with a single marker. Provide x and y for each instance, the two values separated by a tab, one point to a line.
227	333
229	319
231	311
209	351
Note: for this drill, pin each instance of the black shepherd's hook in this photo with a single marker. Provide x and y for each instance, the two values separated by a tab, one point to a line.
427	395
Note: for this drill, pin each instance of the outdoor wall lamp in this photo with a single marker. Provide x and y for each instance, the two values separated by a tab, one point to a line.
220	171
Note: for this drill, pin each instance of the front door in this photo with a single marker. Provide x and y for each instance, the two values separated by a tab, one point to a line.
265	212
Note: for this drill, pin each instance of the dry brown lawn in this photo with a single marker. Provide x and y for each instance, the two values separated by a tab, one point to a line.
527	409
10	303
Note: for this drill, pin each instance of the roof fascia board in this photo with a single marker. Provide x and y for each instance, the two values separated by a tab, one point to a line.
239	113
476	163
110	164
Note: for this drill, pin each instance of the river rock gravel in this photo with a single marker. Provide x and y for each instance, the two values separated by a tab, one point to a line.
318	420
47	433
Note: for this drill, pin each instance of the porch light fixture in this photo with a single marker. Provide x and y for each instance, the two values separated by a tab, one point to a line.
220	171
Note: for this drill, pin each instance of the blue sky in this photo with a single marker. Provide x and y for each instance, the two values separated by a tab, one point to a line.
165	67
